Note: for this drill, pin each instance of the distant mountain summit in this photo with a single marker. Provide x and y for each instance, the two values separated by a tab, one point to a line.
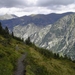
38	20
7	16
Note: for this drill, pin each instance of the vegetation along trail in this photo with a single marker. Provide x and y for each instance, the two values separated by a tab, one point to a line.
20	66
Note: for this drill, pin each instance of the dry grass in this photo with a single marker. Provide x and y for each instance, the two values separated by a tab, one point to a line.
53	66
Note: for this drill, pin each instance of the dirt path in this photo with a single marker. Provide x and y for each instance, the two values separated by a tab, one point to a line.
20	66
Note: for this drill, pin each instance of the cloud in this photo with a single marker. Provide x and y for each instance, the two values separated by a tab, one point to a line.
32	3
18	3
54	2
27	7
12	3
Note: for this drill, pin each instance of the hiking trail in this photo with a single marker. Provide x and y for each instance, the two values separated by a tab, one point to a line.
20	70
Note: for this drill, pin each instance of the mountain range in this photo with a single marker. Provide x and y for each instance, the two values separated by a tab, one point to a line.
39	20
54	32
17	57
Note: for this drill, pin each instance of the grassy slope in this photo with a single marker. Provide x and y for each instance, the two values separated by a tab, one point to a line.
9	55
37	64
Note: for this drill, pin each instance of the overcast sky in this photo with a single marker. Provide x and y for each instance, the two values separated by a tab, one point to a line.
27	7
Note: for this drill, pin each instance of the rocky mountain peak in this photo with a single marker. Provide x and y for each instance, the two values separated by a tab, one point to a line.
7	16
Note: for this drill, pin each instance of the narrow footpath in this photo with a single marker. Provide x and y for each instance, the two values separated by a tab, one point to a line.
20	66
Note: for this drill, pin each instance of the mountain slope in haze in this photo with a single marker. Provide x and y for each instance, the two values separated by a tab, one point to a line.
37	37
61	37
7	16
39	20
58	37
25	31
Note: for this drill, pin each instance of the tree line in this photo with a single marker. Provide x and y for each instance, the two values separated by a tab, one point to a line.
47	53
4	31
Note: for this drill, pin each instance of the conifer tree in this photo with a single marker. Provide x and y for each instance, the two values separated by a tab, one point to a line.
28	42
6	30
12	34
1	28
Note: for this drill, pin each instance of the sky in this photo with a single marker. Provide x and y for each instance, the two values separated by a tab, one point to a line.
28	7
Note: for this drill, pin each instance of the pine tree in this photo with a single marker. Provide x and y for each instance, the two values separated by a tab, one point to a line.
1	28
6	30
12	34
28	42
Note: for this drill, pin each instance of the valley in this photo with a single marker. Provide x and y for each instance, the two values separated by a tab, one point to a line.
38	61
57	37
49	48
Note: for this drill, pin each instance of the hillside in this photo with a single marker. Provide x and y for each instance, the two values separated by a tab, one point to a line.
58	37
11	48
61	37
37	62
9	55
25	31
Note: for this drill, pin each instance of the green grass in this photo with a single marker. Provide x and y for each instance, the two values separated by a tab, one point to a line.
9	55
38	61
40	64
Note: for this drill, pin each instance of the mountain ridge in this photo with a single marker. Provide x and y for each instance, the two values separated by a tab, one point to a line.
7	16
62	41
58	37
38	61
39	20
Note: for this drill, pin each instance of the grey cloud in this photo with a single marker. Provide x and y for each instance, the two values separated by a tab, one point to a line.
25	3
54	2
12	3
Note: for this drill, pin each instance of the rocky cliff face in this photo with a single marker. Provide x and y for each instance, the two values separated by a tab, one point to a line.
38	37
59	37
25	31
